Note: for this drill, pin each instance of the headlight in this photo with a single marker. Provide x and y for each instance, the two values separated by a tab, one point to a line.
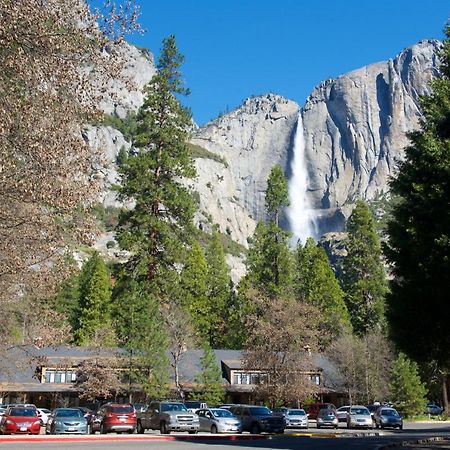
38	422
10	422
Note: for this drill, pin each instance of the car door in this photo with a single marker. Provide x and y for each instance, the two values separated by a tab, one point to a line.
153	412
202	420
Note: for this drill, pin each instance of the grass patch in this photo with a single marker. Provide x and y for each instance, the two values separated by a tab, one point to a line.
200	152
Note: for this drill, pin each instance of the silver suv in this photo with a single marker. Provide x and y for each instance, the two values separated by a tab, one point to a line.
167	416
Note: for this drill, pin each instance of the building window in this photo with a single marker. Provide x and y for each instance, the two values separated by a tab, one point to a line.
315	379
59	376
246	378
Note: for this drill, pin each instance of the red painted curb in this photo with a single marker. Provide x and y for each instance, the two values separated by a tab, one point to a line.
89	438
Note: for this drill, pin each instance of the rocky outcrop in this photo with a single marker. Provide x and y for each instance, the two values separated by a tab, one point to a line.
355	129
125	92
250	141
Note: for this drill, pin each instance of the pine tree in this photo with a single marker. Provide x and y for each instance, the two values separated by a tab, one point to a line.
209	383
194	281
94	321
316	283
142	334
364	279
407	390
157	230
419	233
277	195
219	292
270	261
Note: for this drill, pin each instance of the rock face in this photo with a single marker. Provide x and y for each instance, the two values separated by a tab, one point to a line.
126	92
355	129
250	140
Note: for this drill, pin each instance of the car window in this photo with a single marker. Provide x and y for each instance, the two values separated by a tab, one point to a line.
68	413
122	409
260	411
360	411
296	412
222	413
172	407
23	412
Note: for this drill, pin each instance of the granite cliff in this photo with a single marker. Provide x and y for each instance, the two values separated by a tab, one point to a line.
355	131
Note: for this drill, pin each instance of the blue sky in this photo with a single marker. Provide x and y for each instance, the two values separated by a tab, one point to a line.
238	48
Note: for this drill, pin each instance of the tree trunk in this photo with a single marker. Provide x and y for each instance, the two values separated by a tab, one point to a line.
445	393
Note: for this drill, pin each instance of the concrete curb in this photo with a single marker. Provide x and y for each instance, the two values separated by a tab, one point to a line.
134	438
413	442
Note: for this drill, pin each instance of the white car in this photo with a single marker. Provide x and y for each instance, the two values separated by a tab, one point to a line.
43	414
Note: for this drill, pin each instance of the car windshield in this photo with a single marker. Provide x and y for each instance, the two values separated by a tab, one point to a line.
23	412
360	411
221	412
262	411
192	405
389	412
68	413
296	412
173	407
344	409
122	409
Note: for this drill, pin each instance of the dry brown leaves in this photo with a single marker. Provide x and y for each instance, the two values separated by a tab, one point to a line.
51	54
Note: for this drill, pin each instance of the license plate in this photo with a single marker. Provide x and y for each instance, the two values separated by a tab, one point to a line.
23	428
71	429
123	420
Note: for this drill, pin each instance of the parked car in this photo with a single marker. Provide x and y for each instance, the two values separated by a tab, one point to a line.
258	419
194	405
43	414
218	420
296	418
116	417
314	408
434	410
167	416
342	413
359	417
388	417
372	409
327	417
67	421
226	406
20	420
89	416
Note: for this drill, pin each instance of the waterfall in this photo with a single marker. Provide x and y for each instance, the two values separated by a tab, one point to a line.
300	214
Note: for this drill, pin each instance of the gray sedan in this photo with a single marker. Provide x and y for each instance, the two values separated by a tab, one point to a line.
67	421
218	420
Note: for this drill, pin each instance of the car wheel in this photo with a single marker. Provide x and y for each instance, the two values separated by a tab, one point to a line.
102	429
131	431
400	427
381	426
192	432
335	427
377	426
163	428
318	426
348	424
140	428
213	429
255	429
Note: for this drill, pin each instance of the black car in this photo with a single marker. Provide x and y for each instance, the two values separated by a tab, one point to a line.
258	419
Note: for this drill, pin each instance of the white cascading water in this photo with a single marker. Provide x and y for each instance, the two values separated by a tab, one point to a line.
300	214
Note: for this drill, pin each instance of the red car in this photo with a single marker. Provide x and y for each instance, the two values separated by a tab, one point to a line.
117	417
20	420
